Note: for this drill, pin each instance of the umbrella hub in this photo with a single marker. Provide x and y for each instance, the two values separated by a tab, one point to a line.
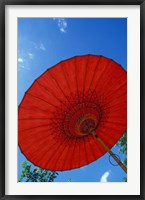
87	126
82	122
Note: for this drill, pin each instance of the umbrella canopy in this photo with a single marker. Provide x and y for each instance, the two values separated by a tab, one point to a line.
65	105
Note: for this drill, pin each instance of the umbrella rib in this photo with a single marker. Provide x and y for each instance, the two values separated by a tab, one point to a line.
69	146
111	122
38	126
93	153
118	109
44	101
107	135
64	73
111	86
112	100
39	118
115	105
28	137
37	109
85	150
95	70
53	152
60	88
110	77
102	94
61	153
102	74
30	146
57	129
119	117
100	77
79	147
53	95
66	156
56	123
86	67
106	125
73	153
43	146
33	127
32	135
76	78
117	98
122	86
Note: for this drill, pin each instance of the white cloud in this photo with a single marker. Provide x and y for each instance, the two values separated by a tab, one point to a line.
23	67
104	177
34	44
38	46
31	56
62	24
20	60
42	47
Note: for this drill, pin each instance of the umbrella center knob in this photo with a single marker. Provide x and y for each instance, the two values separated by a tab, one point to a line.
87	126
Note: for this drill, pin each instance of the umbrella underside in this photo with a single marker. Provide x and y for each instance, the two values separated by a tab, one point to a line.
65	105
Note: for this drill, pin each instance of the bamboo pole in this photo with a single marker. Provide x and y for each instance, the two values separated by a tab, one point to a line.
110	152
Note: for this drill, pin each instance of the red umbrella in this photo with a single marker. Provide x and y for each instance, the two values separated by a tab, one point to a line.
74	113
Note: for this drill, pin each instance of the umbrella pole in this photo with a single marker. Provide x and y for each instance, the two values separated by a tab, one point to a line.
110	152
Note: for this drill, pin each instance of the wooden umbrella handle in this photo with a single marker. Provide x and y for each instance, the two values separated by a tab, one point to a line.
110	152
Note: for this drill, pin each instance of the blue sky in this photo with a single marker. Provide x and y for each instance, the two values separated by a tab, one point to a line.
43	42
